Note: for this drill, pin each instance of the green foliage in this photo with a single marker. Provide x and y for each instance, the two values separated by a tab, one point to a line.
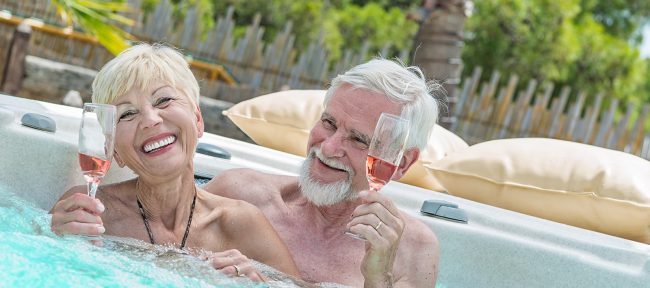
204	7
304	16
205	10
561	41
621	18
340	24
98	17
402	4
354	25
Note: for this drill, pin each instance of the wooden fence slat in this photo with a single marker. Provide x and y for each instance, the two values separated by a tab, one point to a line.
526	122
645	150
637	130
502	104
462	99
491	130
492	87
523	101
592	117
540	114
556	123
465	97
574	116
606	122
503	131
618	133
480	113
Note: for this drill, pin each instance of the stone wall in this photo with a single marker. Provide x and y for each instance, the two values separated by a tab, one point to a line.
50	81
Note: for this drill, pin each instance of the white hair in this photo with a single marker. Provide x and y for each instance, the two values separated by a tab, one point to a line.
324	194
141	65
406	86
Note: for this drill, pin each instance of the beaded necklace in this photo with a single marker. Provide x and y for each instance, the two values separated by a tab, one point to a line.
187	229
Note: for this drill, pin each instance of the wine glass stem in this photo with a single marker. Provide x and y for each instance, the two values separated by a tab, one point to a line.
92	187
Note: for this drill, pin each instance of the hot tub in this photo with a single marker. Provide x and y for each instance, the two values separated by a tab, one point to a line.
494	248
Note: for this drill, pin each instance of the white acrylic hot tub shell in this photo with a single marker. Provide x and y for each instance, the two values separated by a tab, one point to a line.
497	248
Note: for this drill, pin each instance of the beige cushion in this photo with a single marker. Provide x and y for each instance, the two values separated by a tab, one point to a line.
576	184
282	121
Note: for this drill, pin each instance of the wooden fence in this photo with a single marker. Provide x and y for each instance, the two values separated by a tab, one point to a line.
490	112
496	112
261	67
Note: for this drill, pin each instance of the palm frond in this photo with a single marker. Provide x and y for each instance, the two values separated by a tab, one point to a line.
99	18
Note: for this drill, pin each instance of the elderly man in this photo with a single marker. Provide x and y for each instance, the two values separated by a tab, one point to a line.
311	212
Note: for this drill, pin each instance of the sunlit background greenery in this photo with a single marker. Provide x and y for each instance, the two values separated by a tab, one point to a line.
589	45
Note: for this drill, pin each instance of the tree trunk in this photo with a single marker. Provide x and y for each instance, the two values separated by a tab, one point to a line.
437	48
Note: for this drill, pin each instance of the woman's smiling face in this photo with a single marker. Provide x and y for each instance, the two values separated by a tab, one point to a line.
157	130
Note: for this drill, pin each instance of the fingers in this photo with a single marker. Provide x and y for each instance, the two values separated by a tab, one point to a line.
234	264
378	219
374	197
78	214
221	260
381	224
79	229
79	200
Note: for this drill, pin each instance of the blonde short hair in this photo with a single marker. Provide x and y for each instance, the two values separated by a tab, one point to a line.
138	67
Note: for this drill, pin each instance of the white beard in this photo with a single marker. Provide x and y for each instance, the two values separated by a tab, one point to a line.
325	194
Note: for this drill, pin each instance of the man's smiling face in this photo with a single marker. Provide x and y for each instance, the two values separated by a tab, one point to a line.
338	144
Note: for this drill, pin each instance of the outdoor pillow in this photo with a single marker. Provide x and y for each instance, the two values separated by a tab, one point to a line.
282	121
577	184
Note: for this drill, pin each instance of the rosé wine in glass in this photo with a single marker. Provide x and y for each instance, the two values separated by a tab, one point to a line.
96	140
93	166
379	172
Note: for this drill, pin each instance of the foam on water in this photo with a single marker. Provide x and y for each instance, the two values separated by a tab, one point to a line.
33	256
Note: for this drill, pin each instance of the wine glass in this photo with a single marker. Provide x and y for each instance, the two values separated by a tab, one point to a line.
386	149
385	152
96	140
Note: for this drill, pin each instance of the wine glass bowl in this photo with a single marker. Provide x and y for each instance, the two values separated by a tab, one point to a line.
96	140
386	149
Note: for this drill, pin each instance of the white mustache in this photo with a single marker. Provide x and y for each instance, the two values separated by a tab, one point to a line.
315	152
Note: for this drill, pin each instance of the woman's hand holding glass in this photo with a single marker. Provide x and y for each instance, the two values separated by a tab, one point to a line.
79	213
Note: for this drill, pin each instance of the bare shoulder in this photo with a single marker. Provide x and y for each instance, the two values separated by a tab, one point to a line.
222	204
225	206
240	213
418	243
247	184
417	233
419	247
242	225
232	215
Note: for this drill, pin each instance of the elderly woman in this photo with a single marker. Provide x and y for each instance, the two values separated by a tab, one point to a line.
159	123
